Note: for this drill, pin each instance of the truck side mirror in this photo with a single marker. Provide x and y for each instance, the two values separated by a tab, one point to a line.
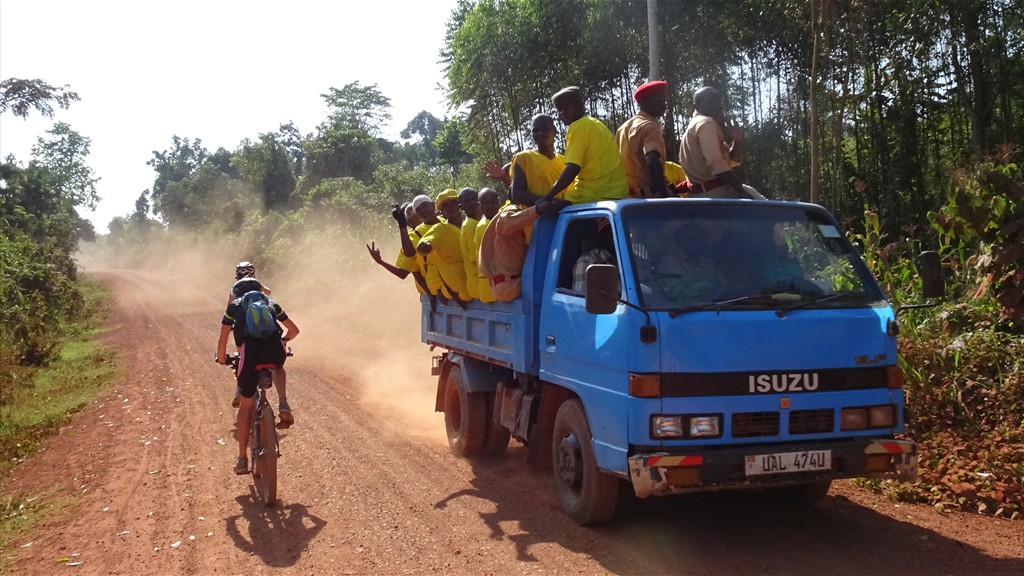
602	288
933	285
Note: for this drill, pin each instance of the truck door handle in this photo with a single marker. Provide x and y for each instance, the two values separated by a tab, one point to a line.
549	340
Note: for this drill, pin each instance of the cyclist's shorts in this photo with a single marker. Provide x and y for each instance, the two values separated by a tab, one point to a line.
252	353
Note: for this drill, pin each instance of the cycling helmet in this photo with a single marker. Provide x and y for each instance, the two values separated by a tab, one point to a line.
244	269
247	284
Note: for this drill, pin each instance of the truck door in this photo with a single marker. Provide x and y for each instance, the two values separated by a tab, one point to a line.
582	351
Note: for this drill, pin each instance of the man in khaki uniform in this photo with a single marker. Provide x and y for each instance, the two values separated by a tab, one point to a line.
708	155
503	247
642	143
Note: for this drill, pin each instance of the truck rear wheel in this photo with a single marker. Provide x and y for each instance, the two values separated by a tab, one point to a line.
465	416
588	495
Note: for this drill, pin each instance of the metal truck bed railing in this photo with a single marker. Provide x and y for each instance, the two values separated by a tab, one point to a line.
496	332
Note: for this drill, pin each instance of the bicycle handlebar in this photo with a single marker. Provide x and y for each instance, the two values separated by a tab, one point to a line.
232	359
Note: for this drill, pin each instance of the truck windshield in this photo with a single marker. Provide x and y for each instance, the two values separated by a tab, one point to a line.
743	255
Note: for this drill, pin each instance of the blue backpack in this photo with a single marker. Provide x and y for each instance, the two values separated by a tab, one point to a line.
259	316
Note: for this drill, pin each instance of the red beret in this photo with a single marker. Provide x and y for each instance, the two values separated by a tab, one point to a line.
650	88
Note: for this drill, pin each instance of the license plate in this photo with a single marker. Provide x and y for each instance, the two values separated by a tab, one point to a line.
784	462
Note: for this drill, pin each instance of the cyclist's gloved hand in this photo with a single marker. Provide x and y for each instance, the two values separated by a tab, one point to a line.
398	214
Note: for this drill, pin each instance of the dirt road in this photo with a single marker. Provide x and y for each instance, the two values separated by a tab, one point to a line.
143	482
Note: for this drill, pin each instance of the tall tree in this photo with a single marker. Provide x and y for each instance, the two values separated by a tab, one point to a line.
174	165
64	154
267	166
364	108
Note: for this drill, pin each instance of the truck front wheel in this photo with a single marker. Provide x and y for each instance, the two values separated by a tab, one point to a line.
588	495
465	416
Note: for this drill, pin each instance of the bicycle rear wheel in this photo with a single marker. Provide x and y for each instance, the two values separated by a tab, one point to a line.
265	460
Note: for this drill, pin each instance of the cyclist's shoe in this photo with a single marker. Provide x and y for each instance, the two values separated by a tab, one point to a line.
237	399
286	415
242	465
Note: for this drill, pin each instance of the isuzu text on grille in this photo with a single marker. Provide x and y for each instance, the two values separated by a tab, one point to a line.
783	382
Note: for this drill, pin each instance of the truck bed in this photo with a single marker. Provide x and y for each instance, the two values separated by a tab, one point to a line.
497	332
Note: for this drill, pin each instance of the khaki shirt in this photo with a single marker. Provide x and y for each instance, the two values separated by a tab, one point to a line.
637	137
503	250
703	151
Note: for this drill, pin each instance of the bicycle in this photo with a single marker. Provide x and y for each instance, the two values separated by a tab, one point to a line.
264	445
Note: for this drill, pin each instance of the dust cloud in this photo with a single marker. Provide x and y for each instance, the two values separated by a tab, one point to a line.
358	322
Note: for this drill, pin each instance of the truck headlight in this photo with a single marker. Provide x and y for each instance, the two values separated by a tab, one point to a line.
881	416
705	427
666	426
853	419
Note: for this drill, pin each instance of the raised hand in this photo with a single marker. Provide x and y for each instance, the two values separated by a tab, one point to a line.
374	252
399	215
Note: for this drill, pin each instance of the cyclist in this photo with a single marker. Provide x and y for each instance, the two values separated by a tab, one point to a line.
245	269
253	352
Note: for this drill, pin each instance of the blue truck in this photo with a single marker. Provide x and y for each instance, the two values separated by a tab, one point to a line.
723	344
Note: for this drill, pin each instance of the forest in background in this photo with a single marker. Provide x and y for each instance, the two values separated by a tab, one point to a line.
905	118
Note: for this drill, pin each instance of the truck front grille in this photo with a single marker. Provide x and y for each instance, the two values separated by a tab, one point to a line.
751	424
811	421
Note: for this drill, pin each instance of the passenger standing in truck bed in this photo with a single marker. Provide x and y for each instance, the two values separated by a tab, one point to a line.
441	244
469	203
708	155
489	206
592	159
642	142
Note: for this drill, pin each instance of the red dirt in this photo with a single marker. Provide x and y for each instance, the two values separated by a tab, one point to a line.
368	485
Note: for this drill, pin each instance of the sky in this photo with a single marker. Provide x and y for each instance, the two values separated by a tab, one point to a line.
217	70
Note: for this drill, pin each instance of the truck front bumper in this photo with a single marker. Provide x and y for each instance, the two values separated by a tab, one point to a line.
661	473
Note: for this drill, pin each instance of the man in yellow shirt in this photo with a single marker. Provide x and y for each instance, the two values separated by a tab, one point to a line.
469	203
441	244
410	231
592	161
490	203
535	171
642	143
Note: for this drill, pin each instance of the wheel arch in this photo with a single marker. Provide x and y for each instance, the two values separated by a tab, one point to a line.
477	375
551	398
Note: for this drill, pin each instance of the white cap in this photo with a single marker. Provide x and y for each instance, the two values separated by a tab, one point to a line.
420	200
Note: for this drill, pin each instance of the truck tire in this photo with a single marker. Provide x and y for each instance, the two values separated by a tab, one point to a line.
498	437
465	416
588	495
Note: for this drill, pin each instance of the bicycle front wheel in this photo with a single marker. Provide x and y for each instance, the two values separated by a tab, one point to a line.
265	462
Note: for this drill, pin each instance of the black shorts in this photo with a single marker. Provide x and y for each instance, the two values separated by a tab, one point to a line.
254	353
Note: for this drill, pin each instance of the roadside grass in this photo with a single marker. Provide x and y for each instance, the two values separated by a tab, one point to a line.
18	513
36	402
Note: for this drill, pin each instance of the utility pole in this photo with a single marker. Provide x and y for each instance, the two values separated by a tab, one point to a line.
653	40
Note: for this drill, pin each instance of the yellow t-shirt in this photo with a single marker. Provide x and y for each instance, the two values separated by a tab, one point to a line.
466	237
414	263
483	284
674	173
541	172
445	271
590	145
